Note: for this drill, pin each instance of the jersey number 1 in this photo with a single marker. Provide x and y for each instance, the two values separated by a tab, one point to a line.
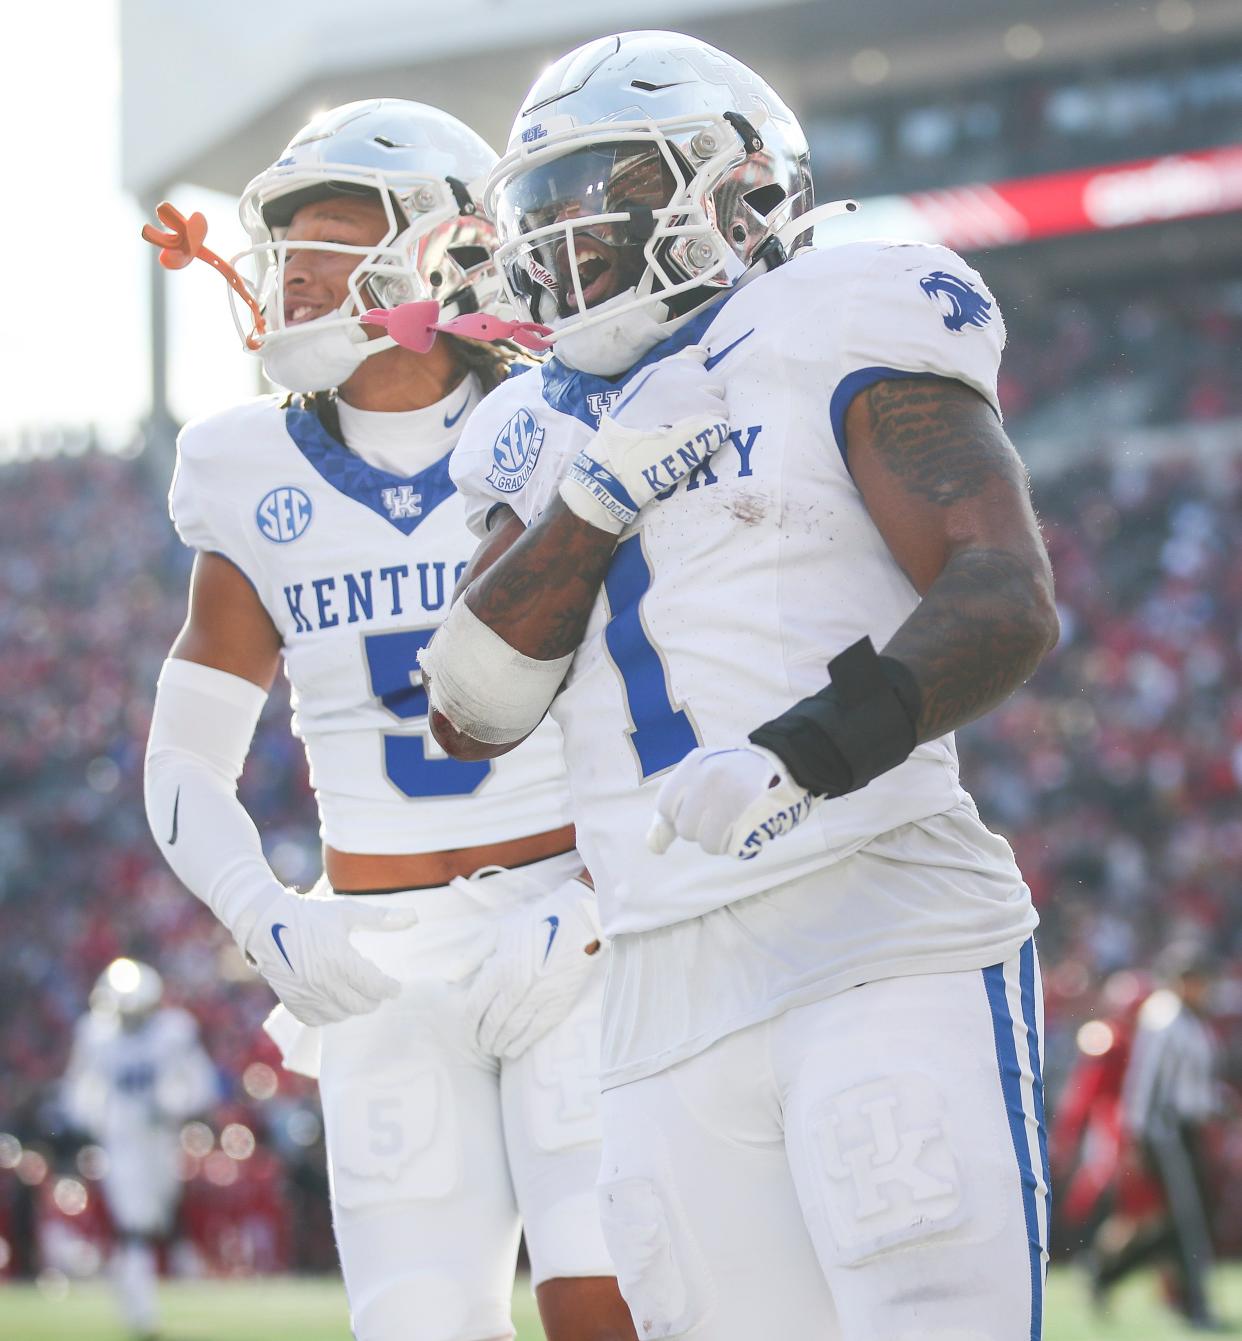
661	733
392	662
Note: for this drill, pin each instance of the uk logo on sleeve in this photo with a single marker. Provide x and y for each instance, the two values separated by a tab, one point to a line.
959	303
515	452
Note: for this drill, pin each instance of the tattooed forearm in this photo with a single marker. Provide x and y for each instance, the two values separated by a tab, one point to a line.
951	498
980	631
538	596
930	434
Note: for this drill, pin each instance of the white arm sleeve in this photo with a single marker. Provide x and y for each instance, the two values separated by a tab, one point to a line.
200	733
201	729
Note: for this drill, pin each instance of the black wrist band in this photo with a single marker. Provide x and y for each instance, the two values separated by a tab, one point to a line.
859	726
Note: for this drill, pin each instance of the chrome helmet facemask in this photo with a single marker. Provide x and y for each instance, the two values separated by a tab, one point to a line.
646	174
426	170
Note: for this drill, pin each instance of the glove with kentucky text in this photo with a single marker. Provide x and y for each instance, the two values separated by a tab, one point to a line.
732	801
671	420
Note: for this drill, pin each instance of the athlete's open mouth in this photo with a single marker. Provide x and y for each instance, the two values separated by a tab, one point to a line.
594	274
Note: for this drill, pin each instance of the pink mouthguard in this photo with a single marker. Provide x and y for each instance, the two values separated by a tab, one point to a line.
414	326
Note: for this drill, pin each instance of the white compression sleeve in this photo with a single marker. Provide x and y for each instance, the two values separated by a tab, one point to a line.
201	728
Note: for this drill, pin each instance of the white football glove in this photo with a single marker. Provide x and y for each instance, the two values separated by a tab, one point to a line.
731	801
302	947
542	962
670	421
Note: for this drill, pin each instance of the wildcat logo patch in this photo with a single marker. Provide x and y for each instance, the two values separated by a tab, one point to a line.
959	303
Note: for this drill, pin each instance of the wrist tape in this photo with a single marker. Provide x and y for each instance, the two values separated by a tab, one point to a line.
485	687
859	726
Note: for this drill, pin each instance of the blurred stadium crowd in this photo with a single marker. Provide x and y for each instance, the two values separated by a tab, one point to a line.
1116	775
1012	124
92	584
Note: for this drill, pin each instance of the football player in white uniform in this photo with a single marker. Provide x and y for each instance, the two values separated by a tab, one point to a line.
458	1057
823	1105
137	1071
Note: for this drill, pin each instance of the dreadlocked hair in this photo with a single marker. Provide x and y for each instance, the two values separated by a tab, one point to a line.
490	362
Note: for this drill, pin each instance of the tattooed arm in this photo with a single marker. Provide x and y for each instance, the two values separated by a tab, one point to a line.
950	496
535	588
539	595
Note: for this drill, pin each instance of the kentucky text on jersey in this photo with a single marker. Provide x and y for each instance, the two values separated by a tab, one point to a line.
355	598
356	567
674	467
773	518
688	465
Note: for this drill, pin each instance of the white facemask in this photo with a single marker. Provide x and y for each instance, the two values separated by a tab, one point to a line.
319	355
613	346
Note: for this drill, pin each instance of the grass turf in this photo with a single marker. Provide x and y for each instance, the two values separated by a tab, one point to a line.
288	1309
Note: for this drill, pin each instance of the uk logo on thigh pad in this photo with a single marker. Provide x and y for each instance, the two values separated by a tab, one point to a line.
889	1174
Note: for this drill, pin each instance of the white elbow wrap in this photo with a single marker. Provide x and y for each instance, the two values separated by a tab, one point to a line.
488	690
201	727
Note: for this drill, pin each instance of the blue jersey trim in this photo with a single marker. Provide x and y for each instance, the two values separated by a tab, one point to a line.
849	387
566	389
350	475
491	512
1011	1088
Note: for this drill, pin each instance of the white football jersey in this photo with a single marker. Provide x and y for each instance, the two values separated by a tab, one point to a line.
729	596
122	1081
356	567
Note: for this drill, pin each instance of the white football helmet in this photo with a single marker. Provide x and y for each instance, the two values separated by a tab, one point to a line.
127	988
645	173
428	170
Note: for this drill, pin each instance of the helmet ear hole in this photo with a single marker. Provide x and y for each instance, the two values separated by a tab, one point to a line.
468	257
764	199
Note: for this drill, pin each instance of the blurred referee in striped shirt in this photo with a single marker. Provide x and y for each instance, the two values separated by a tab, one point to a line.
1169	1094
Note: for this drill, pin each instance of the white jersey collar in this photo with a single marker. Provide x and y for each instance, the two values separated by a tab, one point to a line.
403	442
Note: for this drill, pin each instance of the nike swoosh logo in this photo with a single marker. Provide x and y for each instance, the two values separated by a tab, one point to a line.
712	359
277	928
554	922
172	837
448	423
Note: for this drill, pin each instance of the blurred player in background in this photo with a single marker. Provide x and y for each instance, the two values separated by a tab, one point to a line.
1170	1092
137	1071
1104	1193
823	1107
458	1058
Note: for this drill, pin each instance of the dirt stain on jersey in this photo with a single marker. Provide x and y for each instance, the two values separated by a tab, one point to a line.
749	509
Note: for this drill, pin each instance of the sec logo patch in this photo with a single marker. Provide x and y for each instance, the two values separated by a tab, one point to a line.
515	452
284	514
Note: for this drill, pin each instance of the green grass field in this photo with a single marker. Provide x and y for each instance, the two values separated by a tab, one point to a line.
314	1310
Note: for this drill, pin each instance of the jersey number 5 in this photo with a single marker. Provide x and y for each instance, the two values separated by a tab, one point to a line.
392	662
661	732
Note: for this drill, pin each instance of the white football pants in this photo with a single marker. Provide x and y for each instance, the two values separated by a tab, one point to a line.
870	1167
439	1155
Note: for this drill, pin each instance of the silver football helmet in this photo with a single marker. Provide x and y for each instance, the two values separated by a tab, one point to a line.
645	173
428	170
127	988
